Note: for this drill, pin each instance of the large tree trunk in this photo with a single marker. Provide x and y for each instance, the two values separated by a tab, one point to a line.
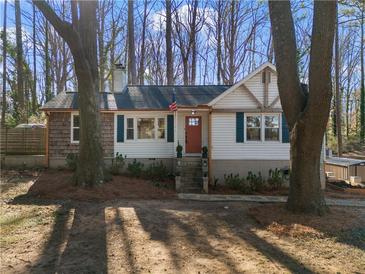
307	113
19	64
305	194
4	105
362	92
82	40
132	75
169	57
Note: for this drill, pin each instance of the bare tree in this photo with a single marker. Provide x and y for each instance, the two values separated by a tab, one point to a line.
19	63
307	113
132	74
4	104
34	89
168	37
81	38
338	92
47	64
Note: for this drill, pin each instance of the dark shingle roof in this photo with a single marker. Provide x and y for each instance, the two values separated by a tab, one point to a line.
144	97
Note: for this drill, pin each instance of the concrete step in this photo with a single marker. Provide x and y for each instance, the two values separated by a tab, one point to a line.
191	173
192	179
191	190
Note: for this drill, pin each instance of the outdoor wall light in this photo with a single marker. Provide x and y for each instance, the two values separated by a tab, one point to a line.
193	112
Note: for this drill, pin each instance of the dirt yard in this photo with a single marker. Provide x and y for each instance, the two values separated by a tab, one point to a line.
170	236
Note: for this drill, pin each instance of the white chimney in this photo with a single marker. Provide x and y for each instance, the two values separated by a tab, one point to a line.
119	78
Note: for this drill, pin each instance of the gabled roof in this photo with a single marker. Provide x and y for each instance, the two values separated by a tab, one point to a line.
143	97
244	80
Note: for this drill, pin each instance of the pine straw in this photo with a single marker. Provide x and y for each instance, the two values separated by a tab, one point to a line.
53	184
278	220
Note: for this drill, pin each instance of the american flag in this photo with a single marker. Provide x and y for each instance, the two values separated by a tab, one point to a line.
173	105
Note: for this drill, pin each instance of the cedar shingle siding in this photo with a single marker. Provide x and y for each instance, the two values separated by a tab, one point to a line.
60	134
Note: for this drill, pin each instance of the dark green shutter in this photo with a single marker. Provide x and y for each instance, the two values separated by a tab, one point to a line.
120	128
170	128
240	127
285	129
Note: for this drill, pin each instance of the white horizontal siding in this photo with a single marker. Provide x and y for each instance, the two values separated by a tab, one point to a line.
256	86
236	99
273	89
224	146
143	148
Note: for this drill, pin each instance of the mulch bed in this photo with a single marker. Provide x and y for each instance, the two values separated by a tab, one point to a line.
281	222
53	184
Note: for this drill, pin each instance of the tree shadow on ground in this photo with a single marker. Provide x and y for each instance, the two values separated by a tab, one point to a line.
346	225
212	222
77	243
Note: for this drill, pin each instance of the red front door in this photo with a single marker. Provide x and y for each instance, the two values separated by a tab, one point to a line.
193	134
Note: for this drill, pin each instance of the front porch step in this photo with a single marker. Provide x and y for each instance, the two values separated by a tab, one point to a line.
191	175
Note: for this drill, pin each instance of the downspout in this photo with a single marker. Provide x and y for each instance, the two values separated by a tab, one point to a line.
47	137
210	145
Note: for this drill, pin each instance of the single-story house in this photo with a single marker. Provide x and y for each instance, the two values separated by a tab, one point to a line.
242	125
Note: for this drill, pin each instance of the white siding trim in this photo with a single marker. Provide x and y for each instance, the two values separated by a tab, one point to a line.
244	80
72	127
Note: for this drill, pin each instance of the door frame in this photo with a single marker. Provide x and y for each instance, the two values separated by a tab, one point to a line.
201	134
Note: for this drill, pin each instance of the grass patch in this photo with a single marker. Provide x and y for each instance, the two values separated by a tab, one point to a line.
13	226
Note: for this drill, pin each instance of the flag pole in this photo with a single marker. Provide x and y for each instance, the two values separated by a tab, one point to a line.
175	121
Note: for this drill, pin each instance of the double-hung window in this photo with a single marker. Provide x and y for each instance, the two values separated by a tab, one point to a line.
253	130
262	127
271	128
75	128
130	128
161	128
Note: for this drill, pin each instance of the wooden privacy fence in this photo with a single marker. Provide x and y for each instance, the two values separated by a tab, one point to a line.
23	141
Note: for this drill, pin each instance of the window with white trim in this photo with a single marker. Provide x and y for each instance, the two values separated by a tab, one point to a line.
253	127
161	128
262	127
146	128
75	128
272	128
130	128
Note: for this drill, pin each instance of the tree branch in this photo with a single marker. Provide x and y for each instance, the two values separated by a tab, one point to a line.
292	97
62	27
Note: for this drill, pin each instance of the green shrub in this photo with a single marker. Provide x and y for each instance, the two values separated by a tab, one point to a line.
276	179
179	150
204	152
157	171
235	182
215	182
72	160
135	168
118	162
256	183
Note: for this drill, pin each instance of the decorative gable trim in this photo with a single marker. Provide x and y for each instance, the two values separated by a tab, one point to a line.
268	65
